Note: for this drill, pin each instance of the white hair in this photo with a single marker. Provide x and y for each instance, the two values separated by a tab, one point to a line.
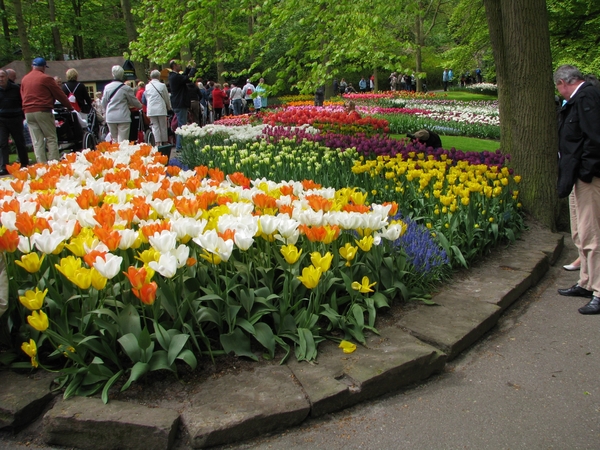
118	73
155	74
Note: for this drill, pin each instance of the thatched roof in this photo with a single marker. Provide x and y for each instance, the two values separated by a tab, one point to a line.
90	70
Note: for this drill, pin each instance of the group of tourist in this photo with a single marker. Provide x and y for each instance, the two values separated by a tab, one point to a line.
364	85
402	82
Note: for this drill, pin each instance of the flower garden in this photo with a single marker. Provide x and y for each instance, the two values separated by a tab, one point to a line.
267	235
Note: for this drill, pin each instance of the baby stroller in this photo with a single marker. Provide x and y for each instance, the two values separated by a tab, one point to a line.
94	126
71	131
139	131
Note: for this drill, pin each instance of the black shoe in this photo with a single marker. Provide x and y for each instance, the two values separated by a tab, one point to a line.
3	172
576	291
593	307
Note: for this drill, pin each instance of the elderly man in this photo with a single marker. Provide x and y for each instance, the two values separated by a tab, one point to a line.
12	75
39	91
579	175
11	122
116	100
180	98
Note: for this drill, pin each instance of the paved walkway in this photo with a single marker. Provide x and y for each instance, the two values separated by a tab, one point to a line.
532	383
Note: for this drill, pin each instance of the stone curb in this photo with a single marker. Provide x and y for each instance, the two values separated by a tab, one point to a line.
241	406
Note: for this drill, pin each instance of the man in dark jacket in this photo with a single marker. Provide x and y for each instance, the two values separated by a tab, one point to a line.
180	99
11	122
579	175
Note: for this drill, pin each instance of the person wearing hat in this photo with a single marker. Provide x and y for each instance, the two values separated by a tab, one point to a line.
427	137
39	92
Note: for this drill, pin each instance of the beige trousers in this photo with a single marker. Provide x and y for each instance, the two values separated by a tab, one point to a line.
43	134
586	204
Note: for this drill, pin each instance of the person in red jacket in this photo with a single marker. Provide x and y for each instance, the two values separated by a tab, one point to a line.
39	91
219	97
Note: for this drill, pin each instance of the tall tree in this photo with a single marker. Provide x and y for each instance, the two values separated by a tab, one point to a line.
521	46
22	29
130	29
58	48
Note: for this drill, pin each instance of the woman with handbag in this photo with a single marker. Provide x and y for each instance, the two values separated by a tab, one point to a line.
117	99
158	103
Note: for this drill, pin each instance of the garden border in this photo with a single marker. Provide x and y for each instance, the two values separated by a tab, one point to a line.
248	404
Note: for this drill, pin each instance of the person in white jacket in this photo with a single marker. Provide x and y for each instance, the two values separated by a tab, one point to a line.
117	99
158	102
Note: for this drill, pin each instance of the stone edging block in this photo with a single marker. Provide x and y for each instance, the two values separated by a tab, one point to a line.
242	406
23	398
388	362
87	423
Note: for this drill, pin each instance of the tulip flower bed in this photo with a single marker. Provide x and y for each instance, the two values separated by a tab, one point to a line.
469	199
327	120
119	266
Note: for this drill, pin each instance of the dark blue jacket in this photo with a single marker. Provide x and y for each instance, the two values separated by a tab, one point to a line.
11	105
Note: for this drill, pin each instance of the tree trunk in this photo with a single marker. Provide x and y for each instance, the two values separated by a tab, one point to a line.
140	70
419	41
219	60
78	51
521	46
375	83
58	48
25	48
5	27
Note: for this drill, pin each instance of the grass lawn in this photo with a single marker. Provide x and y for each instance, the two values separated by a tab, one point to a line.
13	157
465	144
463	96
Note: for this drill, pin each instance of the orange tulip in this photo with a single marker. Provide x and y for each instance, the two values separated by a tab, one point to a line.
137	277
147	293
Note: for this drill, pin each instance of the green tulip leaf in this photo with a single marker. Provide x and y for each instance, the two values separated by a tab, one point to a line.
265	336
238	343
109	384
188	357
137	371
130	345
177	344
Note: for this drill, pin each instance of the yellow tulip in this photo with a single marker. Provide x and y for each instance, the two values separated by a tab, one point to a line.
290	253
38	320
68	266
76	247
98	281
364	287
323	262
149	255
365	243
347	346
348	252
31	262
212	258
82	278
33	300
30	348
310	276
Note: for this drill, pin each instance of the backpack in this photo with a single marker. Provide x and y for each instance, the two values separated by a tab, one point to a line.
72	98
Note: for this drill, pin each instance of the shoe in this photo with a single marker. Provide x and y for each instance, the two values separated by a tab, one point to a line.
593	307
571	267
576	291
